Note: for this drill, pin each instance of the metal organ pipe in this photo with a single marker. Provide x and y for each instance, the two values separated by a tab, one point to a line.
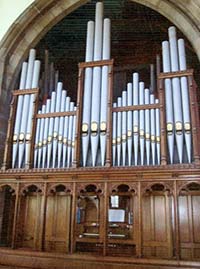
19	114
168	100
25	108
50	131
41	137
141	122
129	122
87	92
185	99
45	135
135	116
73	136
37	139
114	135
153	130
65	134
35	82
56	122
70	133
176	92
104	89
147	126
124	128
61	128
119	131
158	132
96	85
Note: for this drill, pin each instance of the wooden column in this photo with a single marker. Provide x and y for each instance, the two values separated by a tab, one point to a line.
109	118
139	232
16	213
176	222
73	220
43	218
9	137
76	161
163	141
194	120
105	219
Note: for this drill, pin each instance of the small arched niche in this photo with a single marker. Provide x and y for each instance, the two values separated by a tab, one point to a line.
7	207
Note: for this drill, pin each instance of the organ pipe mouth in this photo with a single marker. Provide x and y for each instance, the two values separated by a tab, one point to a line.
28	137
153	138
69	143
114	141
14	138
118	140
94	128
179	127
187	127
135	129
73	144
49	139
39	144
60	138
147	136
84	129
169	128
45	142
21	137
103	127
65	141
129	134
55	135
158	139
123	138
142	133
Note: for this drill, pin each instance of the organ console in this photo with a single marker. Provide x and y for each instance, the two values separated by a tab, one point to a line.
103	173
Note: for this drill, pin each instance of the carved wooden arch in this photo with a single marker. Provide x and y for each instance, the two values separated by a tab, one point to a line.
12	186
25	188
147	188
184	186
51	190
132	187
81	188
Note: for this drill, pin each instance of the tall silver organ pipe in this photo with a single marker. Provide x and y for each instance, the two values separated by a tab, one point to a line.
35	81
87	92
178	119
119	131
45	135
114	135
141	122
39	161
61	128
135	116
153	130
124	128
96	84
158	132
56	122
168	101
73	137
70	133
104	89
147	126
65	134
37	139
185	99
129	122
19	114
25	108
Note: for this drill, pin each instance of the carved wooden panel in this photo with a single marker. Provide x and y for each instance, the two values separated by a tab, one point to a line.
53	188
58	223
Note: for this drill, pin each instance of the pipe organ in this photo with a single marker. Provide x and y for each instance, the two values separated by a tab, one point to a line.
136	138
112	175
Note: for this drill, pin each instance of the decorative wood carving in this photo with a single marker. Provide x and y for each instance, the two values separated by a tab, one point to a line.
24	188
51	190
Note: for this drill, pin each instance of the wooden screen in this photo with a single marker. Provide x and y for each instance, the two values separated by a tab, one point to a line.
29	228
189	226
57	230
157	226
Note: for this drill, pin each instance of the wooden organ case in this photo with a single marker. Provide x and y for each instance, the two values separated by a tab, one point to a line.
93	215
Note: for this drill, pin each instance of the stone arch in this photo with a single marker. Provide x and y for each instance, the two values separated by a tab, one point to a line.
41	16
